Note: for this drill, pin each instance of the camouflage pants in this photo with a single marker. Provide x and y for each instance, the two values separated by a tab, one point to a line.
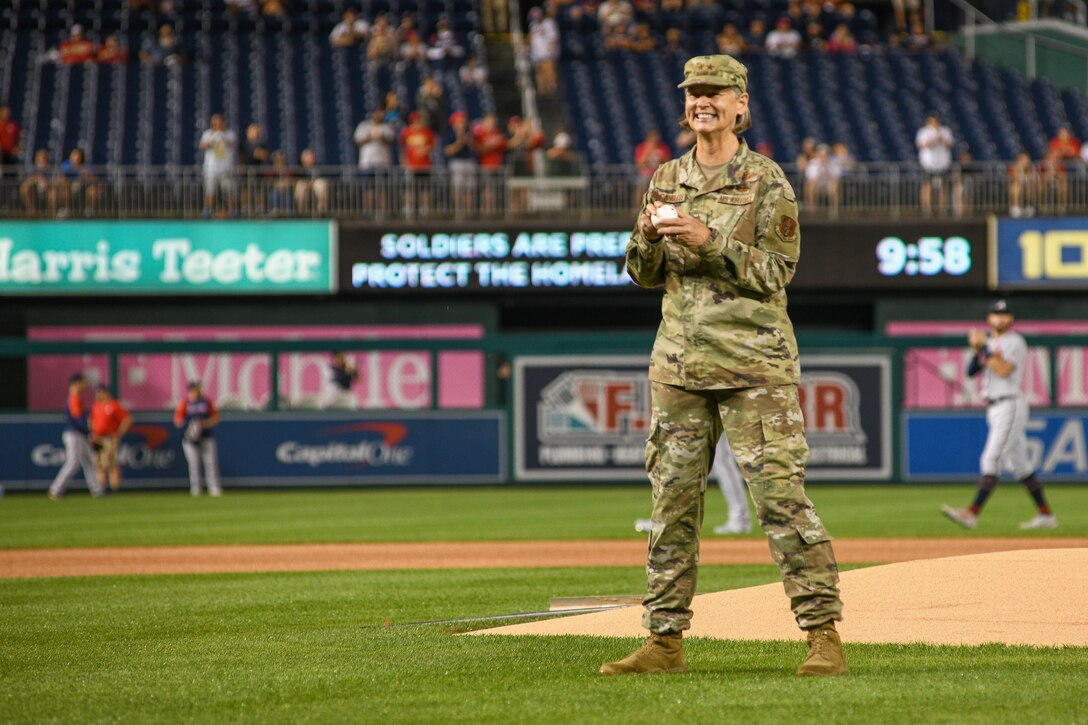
766	431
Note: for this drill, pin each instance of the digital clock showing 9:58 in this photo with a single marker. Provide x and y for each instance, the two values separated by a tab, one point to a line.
926	257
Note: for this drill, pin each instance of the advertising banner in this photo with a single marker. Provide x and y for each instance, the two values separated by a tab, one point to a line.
156	381
947	446
557	255
282	449
894	256
445	260
587	417
1042	253
167	257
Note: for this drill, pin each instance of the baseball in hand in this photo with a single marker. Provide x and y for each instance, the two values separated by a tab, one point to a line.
665	211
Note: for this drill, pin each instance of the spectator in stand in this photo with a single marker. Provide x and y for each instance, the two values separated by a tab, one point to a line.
77	47
10	138
730	41
934	143
797	16
611	13
841	40
561	155
525	139
165	50
1066	144
393	113
76	187
473	74
814	36
242	7
615	37
821	181
491	157
349	31
445	49
375	137
413	49
382	46
543	50
273	8
918	39
111	52
963	183
407	25
460	152
841	159
255	155
901	9
1023	185
1053	184
220	147
674	47
807	153
641	38
672	15
278	178
417	143
311	187
649	154
757	35
784	41
37	190
431	105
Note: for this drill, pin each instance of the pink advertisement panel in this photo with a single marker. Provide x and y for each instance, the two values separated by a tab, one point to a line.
935	377
387	379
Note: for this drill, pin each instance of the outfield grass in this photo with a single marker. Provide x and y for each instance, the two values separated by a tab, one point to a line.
309	647
488	514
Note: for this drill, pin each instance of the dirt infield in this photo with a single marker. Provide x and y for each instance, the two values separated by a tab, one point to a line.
1012	597
15	563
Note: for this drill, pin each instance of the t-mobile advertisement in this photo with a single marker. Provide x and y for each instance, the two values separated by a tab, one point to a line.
947	446
397	380
280	449
587	417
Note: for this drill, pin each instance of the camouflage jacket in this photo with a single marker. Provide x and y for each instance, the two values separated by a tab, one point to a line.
723	316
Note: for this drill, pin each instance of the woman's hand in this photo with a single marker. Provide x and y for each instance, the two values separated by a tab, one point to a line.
685	230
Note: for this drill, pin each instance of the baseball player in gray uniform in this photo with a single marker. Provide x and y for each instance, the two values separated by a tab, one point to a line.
999	358
196	416
731	482
77	445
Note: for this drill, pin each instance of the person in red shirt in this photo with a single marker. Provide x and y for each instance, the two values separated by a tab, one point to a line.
1066	144
491	145
1053	184
417	143
649	154
77	48
111	51
10	136
109	423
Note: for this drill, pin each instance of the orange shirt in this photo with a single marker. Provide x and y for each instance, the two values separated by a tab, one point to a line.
75	405
106	418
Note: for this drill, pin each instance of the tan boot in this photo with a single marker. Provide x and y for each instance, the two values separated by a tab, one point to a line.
659	653
825	657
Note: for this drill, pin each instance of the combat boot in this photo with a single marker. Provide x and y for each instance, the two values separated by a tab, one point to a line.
659	653
825	658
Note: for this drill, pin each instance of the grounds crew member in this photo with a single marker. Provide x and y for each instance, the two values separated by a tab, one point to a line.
725	357
109	423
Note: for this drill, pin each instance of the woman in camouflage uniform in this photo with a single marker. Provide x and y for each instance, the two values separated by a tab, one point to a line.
725	357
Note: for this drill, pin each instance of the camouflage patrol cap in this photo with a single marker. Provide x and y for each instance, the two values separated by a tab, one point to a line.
715	70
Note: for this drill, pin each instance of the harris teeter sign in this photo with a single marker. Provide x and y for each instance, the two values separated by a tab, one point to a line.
168	257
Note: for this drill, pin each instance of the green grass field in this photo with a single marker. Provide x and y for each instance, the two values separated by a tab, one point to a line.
311	647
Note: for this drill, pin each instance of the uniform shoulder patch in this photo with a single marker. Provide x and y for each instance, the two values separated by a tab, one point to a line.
787	228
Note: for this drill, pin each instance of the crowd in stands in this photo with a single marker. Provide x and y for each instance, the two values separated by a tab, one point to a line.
385	42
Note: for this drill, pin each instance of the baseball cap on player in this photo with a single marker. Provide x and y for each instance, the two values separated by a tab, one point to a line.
1000	307
724	71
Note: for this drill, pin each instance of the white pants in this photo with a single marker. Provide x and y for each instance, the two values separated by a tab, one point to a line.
207	453
1007	441
77	453
731	482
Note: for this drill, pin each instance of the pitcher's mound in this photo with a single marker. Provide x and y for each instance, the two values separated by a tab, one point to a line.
1014	597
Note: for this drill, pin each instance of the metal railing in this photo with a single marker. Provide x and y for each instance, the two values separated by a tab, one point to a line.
887	190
